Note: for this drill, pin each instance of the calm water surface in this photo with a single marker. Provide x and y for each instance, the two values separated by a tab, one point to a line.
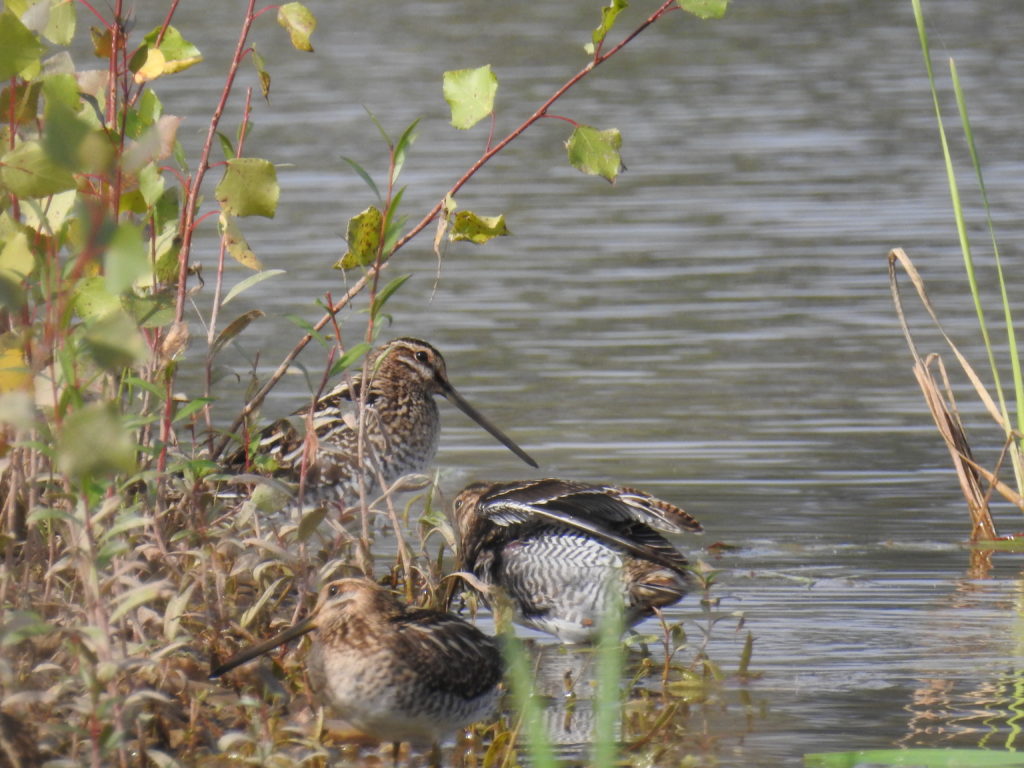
715	328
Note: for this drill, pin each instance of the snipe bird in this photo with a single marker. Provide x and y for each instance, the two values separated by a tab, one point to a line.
402	426
394	672
564	551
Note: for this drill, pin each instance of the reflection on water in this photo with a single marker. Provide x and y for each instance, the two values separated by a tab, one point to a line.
715	328
979	711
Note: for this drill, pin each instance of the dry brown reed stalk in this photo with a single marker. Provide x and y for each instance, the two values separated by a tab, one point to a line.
942	406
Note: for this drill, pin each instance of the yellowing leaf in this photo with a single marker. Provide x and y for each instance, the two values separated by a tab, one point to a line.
236	243
249	187
470	94
261	70
363	239
477	229
101	42
153	68
595	152
173	54
49	217
704	9
16	256
299	22
14	372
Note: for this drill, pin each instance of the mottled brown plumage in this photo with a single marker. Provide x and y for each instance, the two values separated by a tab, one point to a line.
394	672
402	426
565	551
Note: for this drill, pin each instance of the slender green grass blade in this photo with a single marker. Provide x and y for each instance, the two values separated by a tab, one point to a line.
1011	337
608	705
919	758
520	677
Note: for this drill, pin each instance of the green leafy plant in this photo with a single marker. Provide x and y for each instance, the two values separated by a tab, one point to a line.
125	568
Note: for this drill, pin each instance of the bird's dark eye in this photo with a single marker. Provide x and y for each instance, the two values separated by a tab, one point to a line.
458	504
422	356
332	591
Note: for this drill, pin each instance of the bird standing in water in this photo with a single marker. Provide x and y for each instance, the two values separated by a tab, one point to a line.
402	426
564	552
394	672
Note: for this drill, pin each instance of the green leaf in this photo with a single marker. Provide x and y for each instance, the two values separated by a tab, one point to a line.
150	310
249	187
236	243
383	295
477	229
393	225
19	48
234	328
363	175
402	148
191	407
93	441
27	171
16	256
923	758
149	111
351	355
299	22
704	9
363	238
380	128
225	146
114	342
608	16
92	300
595	152
261	71
151	184
12	295
470	94
250	281
175	47
60	27
125	260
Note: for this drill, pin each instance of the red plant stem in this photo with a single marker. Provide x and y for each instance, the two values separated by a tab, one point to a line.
188	215
96	13
257	399
218	288
666	6
373	272
189	211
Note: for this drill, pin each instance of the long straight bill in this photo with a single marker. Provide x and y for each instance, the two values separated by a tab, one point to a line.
247	654
460	402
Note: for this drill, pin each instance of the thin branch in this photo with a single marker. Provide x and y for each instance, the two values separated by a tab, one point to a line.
373	272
